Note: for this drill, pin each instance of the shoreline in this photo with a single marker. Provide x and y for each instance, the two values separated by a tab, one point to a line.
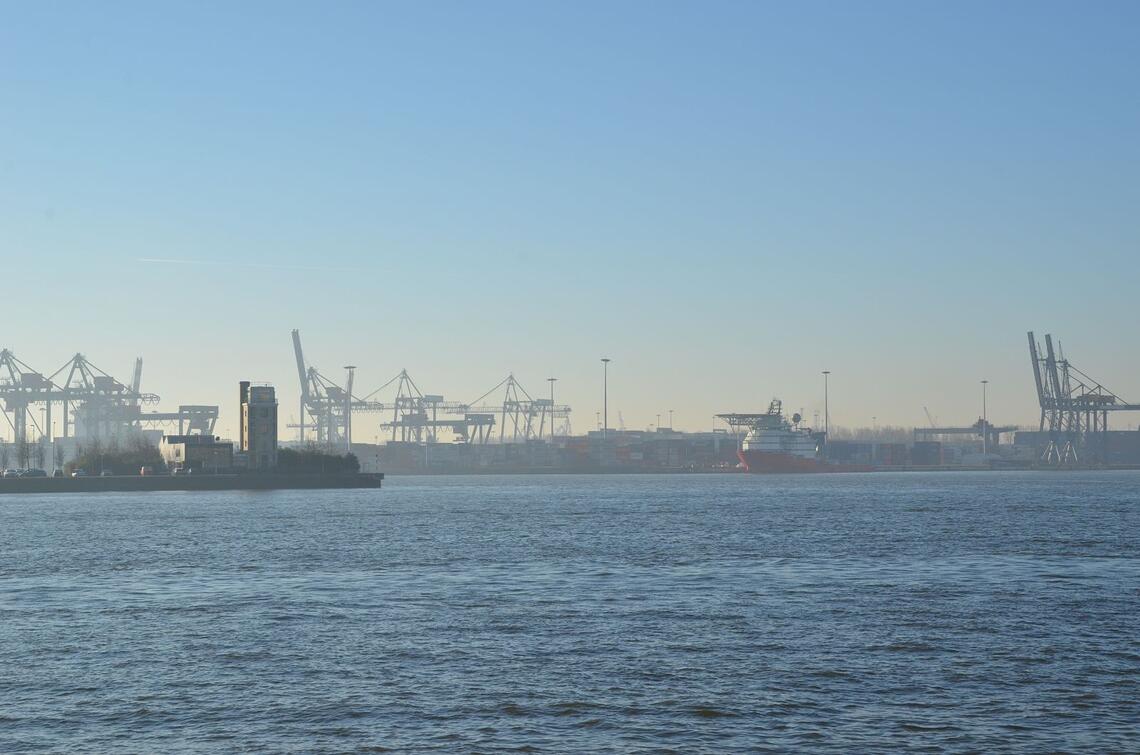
205	482
876	470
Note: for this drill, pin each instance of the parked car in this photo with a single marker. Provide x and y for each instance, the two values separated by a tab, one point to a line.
106	473
79	473
34	473
11	473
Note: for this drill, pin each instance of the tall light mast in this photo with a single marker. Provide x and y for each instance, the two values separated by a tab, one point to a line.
351	370
985	424
826	412
605	396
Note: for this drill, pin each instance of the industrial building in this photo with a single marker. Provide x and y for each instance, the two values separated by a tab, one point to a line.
1113	448
197	453
619	451
258	435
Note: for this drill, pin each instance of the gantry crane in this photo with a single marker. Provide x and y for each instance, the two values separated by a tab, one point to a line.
411	416
95	406
525	416
1074	407
328	406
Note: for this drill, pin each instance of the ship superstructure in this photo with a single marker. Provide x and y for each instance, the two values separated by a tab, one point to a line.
774	444
773	433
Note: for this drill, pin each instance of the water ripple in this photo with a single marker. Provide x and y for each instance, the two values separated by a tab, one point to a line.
644	614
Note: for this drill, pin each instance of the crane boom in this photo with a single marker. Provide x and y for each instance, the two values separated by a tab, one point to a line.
301	374
136	379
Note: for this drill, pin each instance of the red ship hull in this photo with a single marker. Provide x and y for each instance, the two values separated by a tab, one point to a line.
767	462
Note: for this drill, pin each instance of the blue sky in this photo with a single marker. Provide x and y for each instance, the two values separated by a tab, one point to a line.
725	198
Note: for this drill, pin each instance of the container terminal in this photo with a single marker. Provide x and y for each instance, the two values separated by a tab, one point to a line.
50	418
110	451
508	430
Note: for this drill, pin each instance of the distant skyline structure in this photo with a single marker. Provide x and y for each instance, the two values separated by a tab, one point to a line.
520	415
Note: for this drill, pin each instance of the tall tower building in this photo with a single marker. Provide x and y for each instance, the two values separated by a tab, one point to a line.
258	439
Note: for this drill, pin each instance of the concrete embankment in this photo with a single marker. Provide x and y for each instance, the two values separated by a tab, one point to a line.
140	483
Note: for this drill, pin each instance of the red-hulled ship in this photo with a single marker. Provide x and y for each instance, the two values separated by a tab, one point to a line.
774	445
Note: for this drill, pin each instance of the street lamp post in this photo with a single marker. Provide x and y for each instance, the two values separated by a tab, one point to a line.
552	381
670	420
45	422
659	422
605	396
350	369
985	422
826	412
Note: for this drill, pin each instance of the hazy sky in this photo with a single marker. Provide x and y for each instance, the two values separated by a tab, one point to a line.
725	198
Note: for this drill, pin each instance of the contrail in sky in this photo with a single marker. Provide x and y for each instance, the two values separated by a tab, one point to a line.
216	263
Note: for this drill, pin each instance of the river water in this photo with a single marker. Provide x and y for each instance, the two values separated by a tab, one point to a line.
844	613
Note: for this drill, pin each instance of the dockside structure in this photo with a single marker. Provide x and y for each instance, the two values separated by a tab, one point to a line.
258	433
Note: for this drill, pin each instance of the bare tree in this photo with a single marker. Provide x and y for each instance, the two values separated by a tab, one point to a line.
878	434
5	453
57	452
23	453
39	453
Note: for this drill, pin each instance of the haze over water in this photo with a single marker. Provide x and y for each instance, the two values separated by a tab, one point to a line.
691	613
